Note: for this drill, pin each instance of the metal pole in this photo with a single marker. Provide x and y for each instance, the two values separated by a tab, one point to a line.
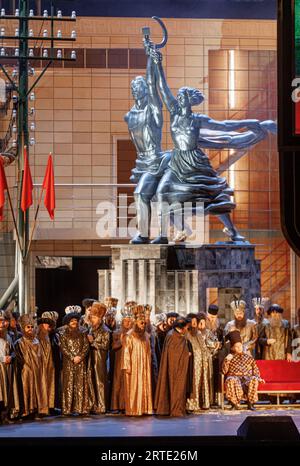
23	219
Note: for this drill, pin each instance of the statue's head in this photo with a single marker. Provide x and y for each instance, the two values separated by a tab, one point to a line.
139	87
189	96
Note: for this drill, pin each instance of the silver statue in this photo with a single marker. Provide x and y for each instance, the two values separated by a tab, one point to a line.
145	121
189	176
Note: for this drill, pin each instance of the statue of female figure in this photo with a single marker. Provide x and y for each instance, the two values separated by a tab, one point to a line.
190	176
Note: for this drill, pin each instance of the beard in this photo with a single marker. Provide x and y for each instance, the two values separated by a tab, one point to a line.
43	334
240	323
259	318
212	325
275	323
193	331
139	332
3	332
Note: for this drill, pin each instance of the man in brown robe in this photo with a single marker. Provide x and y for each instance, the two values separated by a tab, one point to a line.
9	400
242	373
118	341
276	336
48	371
136	363
174	384
32	387
99	339
75	347
246	327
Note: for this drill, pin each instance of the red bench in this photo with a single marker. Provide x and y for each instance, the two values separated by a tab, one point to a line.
279	376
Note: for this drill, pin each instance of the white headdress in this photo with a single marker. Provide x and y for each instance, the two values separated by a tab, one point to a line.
75	308
261	302
238	305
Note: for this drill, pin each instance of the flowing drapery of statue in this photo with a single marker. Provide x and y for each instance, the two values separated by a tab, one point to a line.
184	174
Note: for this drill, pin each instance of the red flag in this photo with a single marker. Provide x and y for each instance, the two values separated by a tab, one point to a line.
27	186
48	185
3	187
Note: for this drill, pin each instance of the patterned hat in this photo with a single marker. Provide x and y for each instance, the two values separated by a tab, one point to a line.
139	311
111	302
72	309
238	305
126	312
48	317
260	302
160	319
98	309
53	315
27	319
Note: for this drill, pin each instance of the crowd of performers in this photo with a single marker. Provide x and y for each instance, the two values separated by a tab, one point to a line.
169	365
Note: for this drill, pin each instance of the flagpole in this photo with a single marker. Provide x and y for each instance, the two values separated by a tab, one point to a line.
35	222
14	219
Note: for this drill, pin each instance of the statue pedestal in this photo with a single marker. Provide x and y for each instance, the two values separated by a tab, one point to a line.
176	277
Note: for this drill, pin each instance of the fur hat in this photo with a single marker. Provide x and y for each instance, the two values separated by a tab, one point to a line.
87	302
53	315
172	314
71	315
234	337
201	316
238	305
193	315
27	319
98	309
72	308
181	322
48	317
213	309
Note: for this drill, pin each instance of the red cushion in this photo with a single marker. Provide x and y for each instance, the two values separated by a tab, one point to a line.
279	371
275	386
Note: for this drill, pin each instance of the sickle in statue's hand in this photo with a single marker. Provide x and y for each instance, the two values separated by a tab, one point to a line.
165	33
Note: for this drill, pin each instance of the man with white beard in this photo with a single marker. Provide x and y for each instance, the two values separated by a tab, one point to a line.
276	337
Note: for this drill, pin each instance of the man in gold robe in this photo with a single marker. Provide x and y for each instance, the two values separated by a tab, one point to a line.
99	339
32	386
136	364
200	339
9	400
75	347
118	342
246	327
276	336
175	377
48	370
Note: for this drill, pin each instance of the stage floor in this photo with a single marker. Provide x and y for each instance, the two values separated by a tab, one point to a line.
207	424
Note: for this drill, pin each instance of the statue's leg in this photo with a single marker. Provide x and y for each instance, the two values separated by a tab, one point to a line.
143	195
163	210
230	229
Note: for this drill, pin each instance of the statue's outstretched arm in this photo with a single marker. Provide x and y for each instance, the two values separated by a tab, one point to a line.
227	125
